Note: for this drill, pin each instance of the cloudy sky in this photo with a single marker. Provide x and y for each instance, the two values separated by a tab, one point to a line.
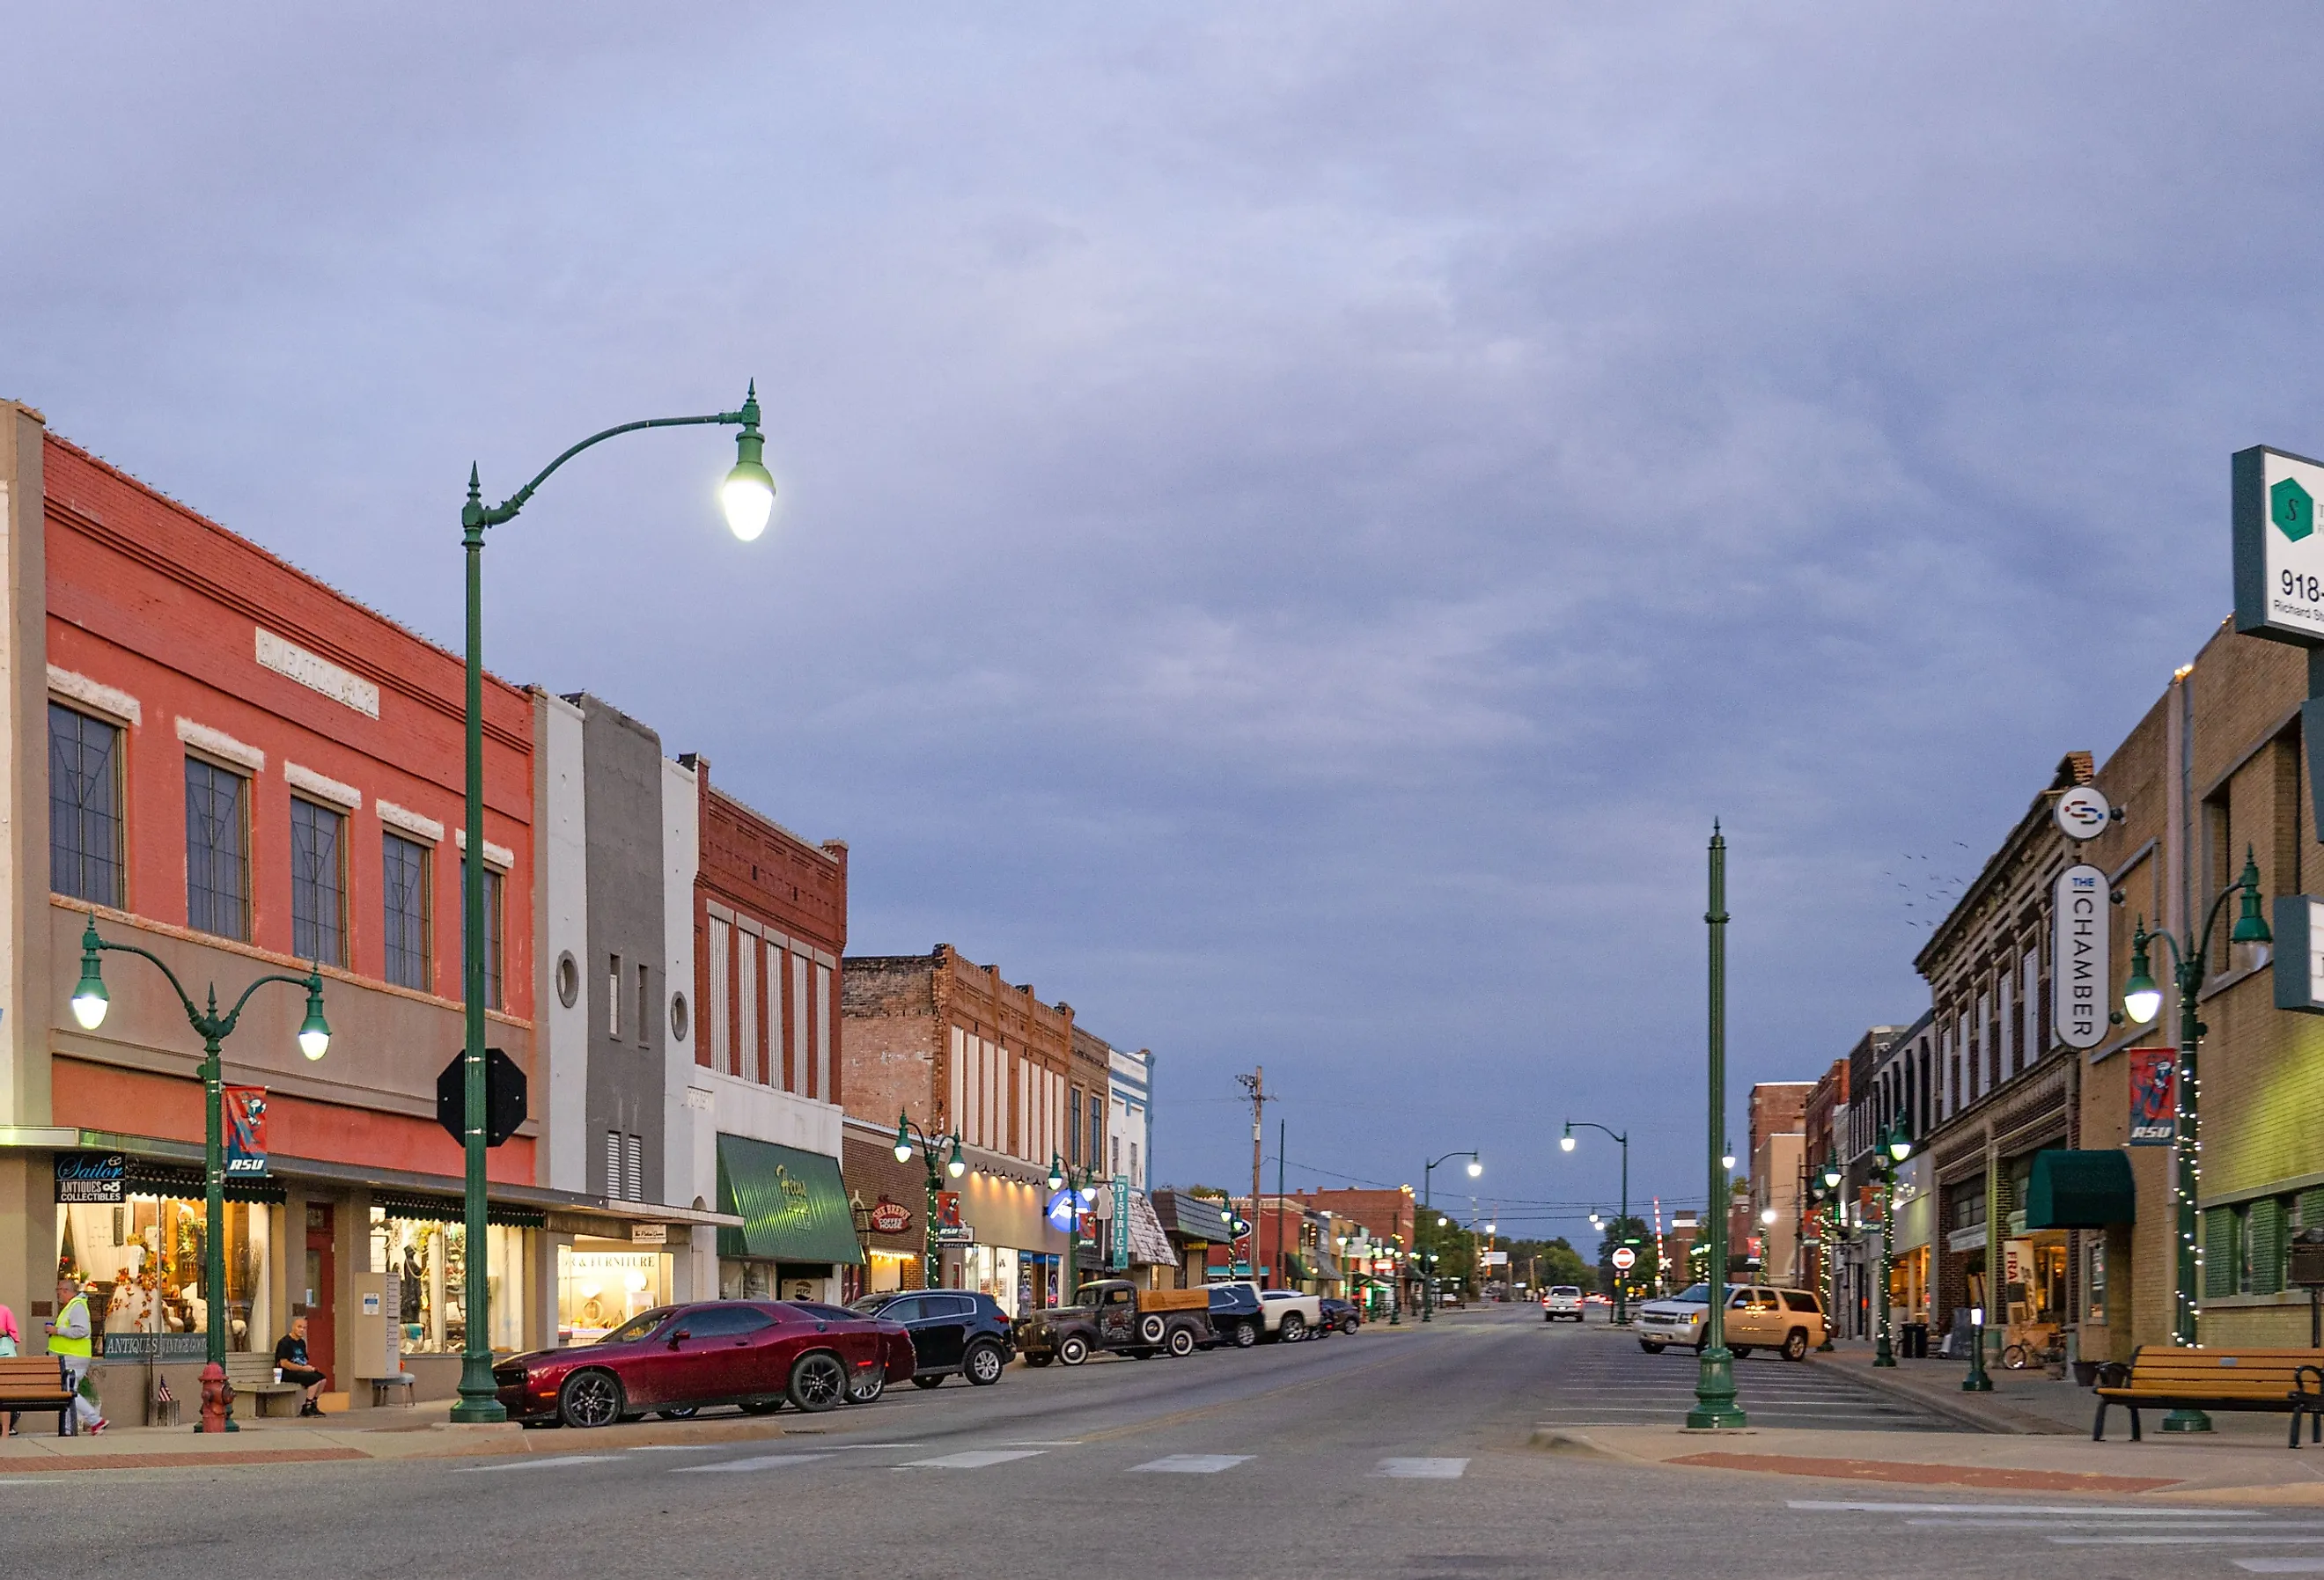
1295	518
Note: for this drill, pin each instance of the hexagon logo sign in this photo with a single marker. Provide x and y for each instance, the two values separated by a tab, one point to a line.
2292	508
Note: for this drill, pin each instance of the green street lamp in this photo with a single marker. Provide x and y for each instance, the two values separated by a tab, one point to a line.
1622	1224
1428	1284
747	498
1714	1387
1895	1146
2142	1001
89	1003
906	1132
1829	1194
1084	1184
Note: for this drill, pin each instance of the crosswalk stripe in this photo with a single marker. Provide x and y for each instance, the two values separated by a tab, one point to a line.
756	1461
1193	1463
1424	1470
970	1459
2063	1522
2141	1539
2280	1566
537	1464
2135	1512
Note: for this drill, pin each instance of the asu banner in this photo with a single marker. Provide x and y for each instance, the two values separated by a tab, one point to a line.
245	1131
2153	1096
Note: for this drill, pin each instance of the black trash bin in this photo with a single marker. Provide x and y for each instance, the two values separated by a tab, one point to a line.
1916	1341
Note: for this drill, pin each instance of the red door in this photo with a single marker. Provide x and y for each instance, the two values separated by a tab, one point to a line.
322	1350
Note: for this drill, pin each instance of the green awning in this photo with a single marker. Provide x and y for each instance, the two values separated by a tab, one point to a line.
1294	1266
792	1203
2079	1191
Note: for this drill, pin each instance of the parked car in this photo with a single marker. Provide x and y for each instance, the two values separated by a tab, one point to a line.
1757	1317
953	1333
1116	1315
1338	1315
1236	1317
1291	1316
1563	1301
677	1360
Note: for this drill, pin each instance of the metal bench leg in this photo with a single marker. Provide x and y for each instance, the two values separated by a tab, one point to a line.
2295	1428
2135	1436
2097	1428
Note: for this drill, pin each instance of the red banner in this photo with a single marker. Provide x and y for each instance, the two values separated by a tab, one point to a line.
246	1131
2153	1096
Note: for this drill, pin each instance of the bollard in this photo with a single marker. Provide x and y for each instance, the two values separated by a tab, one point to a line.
218	1396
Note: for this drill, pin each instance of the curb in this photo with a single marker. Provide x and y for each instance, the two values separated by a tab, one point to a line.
1985	1417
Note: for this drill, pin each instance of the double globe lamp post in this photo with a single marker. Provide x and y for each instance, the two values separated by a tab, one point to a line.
1826	1191
748	499
90	1001
1084	1184
956	1165
1895	1146
1621	1224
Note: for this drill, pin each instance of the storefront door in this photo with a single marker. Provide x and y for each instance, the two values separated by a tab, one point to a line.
322	1280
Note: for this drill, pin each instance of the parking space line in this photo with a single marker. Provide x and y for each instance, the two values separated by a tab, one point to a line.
1424	1470
538	1463
1193	1464
756	1461
970	1459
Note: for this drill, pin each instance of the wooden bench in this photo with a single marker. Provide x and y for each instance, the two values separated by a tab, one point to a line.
253	1375
36	1383
2172	1377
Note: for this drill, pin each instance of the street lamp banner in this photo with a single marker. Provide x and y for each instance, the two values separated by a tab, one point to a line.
2279	555
245	1131
2079	915
2153	1096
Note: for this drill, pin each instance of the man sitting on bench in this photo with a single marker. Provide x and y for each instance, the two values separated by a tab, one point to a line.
290	1360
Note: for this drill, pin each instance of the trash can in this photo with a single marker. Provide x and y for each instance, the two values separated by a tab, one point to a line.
1916	1341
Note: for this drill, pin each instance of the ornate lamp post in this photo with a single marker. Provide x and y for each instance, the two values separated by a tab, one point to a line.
1894	1148
1622	1224
1084	1188
1428	1281
90	1003
1830	1193
906	1133
2142	1001
748	498
1714	1387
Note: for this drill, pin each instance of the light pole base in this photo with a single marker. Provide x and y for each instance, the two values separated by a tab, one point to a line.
479	1395
1714	1393
1827	1348
1883	1353
2186	1421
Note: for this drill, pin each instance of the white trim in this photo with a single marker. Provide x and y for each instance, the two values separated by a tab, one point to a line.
345	686
410	822
218	743
717	911
495	855
322	786
95	694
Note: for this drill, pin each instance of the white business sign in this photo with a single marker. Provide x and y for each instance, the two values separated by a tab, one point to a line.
2082	813
2279	554
2079	912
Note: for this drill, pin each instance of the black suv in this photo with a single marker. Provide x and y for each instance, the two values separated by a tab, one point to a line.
954	1332
1235	1316
1339	1315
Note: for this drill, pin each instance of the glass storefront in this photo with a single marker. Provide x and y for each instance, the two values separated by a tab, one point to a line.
602	1283
430	1261
146	1254
893	1270
752	1278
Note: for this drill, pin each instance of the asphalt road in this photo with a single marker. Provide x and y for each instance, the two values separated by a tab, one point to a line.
1394	1454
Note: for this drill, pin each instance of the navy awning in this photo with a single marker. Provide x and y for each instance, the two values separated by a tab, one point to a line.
2080	1190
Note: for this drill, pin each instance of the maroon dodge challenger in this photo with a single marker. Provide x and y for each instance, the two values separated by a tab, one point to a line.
677	1360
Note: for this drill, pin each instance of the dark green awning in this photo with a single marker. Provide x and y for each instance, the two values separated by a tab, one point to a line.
2079	1191
792	1203
1294	1266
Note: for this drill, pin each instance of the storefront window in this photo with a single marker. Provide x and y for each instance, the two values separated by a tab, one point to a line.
599	1287
429	1264
146	1254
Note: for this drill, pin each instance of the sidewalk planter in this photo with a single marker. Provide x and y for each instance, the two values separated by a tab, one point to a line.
2086	1373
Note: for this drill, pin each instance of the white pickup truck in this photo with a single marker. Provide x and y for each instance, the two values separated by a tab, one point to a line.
1290	1316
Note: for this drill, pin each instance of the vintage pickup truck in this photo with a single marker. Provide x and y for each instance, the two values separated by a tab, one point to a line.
1116	1315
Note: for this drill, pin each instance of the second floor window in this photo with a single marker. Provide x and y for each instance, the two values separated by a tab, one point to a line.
319	887
217	850
492	935
403	862
84	806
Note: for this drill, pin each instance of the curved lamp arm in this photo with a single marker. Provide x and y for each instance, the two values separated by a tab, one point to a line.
476	513
1590	1124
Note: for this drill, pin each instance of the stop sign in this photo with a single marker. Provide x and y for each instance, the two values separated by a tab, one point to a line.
1624	1259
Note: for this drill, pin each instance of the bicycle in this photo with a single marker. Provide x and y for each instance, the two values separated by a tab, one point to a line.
2019	1357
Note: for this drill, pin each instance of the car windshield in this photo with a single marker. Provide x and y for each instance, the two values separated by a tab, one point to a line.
640	1325
1698	1293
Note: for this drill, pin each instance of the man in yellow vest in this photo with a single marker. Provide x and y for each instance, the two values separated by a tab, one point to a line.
69	1336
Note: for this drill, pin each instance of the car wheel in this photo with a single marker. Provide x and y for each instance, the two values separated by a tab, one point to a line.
1072	1350
684	1412
590	1398
1294	1328
1740	1352
868	1385
761	1407
1795	1345
1350	1324
927	1382
1182	1342
1650	1346
1246	1334
983	1364
818	1382
1150	1327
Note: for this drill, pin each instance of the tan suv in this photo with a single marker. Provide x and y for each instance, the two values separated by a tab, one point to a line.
1757	1317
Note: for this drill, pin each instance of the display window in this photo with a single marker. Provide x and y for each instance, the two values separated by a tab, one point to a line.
146	1254
599	1287
893	1269
428	1262
996	1271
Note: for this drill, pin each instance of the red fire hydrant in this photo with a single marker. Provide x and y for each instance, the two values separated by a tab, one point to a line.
217	1393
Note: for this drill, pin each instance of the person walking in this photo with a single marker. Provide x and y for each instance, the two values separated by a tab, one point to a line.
10	1342
69	1336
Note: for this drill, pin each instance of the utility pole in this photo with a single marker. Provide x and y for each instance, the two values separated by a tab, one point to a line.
1255	1085
1282	1129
